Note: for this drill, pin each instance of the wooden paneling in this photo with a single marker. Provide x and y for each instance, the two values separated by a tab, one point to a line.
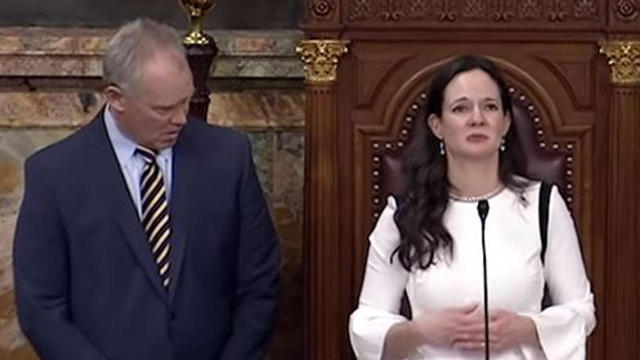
549	51
621	287
499	14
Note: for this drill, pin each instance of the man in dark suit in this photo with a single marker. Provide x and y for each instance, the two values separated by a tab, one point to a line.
145	235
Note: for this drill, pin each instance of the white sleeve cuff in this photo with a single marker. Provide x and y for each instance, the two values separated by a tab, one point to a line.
368	328
562	332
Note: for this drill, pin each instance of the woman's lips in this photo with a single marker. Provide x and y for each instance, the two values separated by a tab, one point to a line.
477	138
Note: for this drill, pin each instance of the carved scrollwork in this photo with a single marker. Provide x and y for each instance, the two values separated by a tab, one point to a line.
556	11
321	9
392	10
474	9
503	10
362	10
585	9
419	9
624	60
530	9
500	11
627	10
446	10
321	59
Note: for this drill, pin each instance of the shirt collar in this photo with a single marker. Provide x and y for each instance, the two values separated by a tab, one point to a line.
123	145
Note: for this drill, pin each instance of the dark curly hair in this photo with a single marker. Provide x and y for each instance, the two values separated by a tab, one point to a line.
422	204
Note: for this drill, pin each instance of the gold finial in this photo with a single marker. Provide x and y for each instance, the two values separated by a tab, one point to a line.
321	58
624	60
196	9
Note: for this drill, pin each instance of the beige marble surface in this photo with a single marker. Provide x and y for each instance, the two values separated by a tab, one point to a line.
250	109
77	52
273	117
15	147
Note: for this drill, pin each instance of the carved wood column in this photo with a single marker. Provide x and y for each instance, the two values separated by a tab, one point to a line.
201	50
200	58
621	313
321	235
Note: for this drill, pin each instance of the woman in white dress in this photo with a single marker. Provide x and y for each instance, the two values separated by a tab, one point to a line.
427	242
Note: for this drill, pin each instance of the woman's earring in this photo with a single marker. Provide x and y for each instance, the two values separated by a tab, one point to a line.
441	147
503	145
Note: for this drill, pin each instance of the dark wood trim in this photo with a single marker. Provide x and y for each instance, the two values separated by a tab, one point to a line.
622	251
200	58
558	67
322	278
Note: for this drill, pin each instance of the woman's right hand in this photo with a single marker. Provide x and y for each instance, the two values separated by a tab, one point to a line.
457	327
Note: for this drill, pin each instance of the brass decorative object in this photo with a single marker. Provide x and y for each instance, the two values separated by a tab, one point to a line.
196	9
624	60
321	58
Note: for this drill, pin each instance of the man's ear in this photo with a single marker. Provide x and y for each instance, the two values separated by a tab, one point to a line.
434	124
115	98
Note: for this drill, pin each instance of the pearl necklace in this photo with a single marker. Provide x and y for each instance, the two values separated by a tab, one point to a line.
486	196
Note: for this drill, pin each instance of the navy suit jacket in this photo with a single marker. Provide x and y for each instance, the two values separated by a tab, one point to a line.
86	284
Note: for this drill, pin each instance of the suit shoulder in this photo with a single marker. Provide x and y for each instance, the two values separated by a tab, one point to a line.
216	136
62	151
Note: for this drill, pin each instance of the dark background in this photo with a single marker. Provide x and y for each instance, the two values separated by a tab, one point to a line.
227	14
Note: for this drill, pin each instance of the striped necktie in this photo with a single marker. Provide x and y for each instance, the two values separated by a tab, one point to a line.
155	212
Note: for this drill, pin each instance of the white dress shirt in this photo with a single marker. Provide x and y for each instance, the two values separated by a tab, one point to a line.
131	164
516	278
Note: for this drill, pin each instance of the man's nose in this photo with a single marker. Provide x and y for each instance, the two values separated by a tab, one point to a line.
179	117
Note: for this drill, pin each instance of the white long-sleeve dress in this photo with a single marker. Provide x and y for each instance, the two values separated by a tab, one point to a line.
516	278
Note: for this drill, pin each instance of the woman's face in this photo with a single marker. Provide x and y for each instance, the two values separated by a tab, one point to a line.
473	121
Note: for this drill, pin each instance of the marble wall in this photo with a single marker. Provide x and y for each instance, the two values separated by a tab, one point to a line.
48	88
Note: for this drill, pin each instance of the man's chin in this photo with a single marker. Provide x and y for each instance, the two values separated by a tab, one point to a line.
166	142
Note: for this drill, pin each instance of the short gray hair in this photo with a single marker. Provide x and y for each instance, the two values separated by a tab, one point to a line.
131	45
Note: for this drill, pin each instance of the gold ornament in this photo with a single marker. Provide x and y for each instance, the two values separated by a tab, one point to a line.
624	60
196	9
321	58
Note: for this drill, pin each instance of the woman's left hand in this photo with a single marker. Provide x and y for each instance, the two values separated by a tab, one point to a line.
508	330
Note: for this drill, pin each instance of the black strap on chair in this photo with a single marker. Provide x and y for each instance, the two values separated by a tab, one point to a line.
543	213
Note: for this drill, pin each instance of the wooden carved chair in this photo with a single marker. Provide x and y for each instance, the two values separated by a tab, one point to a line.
549	162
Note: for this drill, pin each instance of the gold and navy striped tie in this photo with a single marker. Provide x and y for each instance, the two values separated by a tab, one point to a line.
155	212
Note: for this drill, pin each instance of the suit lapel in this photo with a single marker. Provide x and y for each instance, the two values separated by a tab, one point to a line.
181	189
109	179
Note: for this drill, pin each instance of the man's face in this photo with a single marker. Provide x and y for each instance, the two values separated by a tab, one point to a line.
154	112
